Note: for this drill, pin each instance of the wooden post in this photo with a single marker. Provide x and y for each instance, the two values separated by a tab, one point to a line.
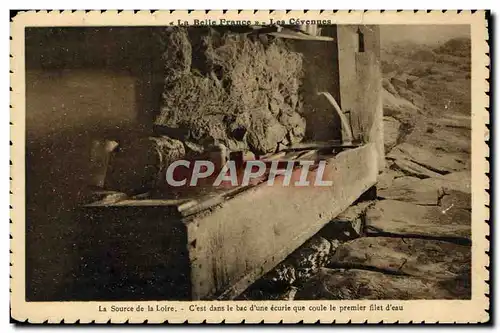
369	80
347	49
360	84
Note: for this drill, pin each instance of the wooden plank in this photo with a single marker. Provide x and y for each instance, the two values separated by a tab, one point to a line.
246	236
300	34
369	78
290	34
273	156
360	82
321	145
145	202
308	154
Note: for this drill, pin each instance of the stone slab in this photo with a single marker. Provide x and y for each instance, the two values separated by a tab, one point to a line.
441	163
456	199
410	168
412	189
391	133
424	258
356	284
407	219
424	191
386	178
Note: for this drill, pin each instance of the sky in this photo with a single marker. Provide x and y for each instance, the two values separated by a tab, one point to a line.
428	34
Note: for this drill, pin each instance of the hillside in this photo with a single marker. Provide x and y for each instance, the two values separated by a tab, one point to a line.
427	89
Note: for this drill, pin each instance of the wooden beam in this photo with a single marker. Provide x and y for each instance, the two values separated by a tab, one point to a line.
320	145
243	238
290	34
280	32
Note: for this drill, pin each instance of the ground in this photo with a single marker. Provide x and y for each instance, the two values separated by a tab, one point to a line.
414	240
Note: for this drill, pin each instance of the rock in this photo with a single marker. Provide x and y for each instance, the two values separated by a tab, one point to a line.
387	85
391	133
193	148
462	177
411	78
440	163
399	82
397	107
459	46
237	92
411	189
335	243
456	199
290	294
354	213
407	219
457	181
386	178
424	56
414	98
422	191
178	55
302	263
455	121
355	284
147	169
310	257
452	142
430	259
265	134
295	125
418	85
347	226
283	274
410	168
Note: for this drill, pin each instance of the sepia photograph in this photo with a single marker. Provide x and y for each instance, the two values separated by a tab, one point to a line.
286	159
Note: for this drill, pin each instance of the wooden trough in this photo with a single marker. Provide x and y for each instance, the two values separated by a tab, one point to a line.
214	247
